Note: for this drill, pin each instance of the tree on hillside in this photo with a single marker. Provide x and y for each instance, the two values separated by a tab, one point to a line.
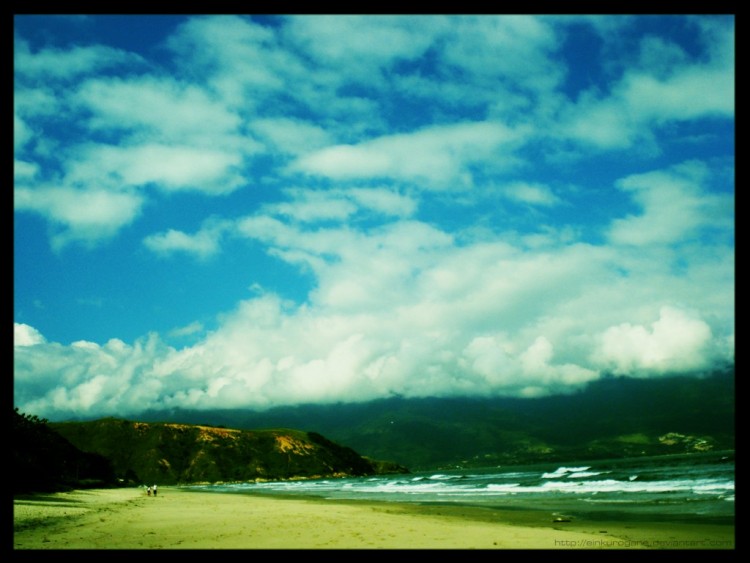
44	461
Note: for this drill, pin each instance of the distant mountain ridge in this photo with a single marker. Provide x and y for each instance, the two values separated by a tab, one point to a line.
171	453
612	417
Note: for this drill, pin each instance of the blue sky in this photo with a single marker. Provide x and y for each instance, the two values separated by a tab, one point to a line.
231	211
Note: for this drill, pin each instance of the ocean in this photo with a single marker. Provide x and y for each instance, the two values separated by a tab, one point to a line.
696	487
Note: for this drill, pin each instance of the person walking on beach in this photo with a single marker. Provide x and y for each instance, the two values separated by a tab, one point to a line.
154	490
148	491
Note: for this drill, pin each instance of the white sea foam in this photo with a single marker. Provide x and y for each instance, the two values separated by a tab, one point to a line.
691	489
449	485
582	474
713	487
563	470
507	487
441	477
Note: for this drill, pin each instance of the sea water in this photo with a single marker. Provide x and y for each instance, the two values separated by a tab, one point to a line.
695	487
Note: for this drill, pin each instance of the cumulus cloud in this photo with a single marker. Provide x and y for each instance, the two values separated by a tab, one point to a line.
530	373
86	378
267	353
676	341
403	310
25	335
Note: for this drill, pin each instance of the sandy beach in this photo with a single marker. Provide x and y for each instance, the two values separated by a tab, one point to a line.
184	519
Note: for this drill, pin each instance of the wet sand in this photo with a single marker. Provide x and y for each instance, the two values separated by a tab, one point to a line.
184	519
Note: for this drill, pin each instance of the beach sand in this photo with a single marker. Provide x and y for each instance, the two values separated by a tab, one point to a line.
184	519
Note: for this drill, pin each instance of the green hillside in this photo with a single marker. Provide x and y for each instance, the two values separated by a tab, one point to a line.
613	417
170	453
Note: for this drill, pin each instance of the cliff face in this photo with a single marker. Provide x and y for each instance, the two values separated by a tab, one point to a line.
180	453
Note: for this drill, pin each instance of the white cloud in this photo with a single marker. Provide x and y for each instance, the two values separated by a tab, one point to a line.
309	206
170	167
405	310
21	133
603	123
339	204
188	330
514	48
532	194
202	244
529	373
360	43
24	171
25	335
269	229
240	60
164	134
291	136
86	378
355	270
61	64
438	154
384	200
654	94
95	209
81	215
165	110
690	94
675	206
37	100
676	341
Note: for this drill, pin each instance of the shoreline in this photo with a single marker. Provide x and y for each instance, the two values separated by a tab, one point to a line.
186	519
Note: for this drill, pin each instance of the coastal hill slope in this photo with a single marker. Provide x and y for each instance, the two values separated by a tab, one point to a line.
613	417
172	453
